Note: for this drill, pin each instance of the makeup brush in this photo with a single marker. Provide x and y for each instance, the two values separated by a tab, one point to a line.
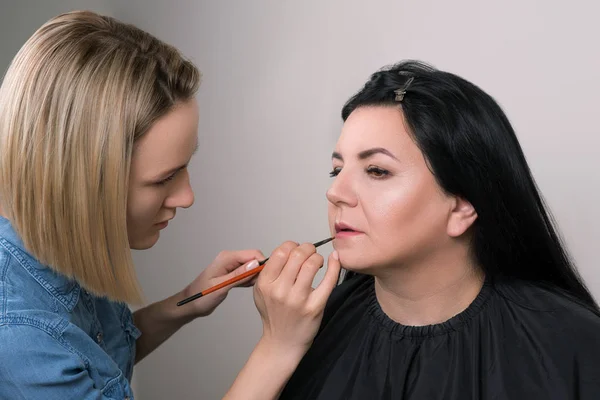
246	274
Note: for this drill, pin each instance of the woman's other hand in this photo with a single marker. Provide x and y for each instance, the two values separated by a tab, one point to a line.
291	309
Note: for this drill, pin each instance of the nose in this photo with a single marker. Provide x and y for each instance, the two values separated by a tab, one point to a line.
183	194
341	191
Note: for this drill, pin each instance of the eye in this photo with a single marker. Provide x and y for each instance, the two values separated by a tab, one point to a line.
335	172
377	172
167	179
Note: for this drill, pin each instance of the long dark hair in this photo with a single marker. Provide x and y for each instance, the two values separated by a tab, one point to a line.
473	151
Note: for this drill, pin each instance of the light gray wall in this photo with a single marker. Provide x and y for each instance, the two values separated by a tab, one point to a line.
275	77
20	18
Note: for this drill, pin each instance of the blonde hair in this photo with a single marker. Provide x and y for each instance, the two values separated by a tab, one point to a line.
78	94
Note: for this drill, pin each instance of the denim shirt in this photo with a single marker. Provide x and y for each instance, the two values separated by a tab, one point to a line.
57	341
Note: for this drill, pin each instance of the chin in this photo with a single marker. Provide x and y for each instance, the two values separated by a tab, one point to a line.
353	262
358	260
144	243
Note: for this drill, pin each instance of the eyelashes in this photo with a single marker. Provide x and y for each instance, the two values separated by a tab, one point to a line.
374	172
167	179
377	172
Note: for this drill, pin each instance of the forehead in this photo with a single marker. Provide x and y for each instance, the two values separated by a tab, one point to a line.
171	140
369	127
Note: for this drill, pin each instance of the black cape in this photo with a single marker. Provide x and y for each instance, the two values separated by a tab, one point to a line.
515	341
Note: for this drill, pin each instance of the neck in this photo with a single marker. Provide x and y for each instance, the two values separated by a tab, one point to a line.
431	292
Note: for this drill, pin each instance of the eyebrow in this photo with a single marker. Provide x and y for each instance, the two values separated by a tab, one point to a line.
363	155
170	172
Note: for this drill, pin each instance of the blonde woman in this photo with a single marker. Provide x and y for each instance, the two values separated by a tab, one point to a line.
98	122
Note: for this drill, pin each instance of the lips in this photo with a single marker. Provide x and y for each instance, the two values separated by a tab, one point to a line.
165	220
341	227
164	223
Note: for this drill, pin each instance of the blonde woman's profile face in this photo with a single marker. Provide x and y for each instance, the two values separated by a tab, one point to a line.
159	180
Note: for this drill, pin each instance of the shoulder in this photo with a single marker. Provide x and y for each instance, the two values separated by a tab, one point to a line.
566	329
53	359
26	284
549	305
40	345
32	334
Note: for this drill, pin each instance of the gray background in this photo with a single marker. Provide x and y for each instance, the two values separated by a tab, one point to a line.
276	74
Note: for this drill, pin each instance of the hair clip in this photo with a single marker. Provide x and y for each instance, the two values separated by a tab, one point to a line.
402	91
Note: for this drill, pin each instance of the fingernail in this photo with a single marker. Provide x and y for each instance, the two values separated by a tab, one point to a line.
336	256
252	265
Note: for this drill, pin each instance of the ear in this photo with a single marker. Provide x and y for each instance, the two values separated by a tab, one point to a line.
462	216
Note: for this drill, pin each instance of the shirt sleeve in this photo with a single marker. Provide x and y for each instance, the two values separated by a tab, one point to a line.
35	364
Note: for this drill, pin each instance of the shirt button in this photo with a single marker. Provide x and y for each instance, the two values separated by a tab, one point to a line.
99	337
126	397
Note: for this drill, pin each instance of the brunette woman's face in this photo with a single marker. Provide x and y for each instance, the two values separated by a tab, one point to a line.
385	206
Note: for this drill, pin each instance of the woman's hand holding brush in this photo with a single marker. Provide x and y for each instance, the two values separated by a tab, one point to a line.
291	311
290	308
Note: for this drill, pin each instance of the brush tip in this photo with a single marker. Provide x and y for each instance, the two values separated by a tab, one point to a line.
322	242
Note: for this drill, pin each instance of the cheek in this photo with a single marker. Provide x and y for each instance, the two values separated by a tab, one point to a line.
408	213
142	208
387	211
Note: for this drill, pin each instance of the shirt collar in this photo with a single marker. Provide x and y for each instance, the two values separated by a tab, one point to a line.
64	289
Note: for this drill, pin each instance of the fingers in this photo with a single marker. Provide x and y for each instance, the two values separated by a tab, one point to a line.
308	272
239	271
297	261
249	282
229	264
329	282
230	260
277	261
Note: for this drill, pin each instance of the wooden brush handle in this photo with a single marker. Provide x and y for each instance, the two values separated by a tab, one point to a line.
233	280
